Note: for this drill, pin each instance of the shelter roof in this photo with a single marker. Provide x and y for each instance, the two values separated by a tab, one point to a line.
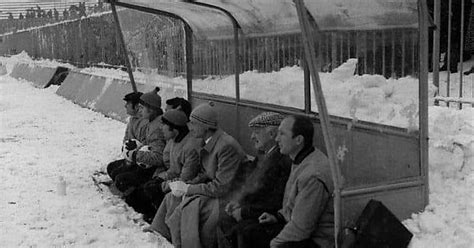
210	18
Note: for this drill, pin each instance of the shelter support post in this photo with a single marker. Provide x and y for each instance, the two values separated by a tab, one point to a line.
436	33
122	44
188	36
307	86
423	95
461	51
310	56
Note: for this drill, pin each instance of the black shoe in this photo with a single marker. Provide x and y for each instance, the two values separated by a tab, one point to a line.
470	71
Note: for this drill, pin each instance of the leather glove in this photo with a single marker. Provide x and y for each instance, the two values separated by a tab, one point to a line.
133	144
179	188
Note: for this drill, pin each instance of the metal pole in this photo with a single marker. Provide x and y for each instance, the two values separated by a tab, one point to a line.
423	94
308	41
188	36
448	58
437	17
461	48
122	44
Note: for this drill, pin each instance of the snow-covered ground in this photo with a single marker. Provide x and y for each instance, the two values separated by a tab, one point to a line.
43	136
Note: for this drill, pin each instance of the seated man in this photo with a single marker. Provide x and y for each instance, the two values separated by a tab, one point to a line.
145	154
183	150
307	216
134	125
221	157
262	189
180	104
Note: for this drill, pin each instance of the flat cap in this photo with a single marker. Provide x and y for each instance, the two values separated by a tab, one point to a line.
133	97
266	119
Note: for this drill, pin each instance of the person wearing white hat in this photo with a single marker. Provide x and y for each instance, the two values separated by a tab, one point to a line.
221	158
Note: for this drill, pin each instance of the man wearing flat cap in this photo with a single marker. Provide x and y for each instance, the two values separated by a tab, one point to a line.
262	189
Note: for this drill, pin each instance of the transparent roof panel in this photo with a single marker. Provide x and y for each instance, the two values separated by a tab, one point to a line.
267	17
262	17
363	14
206	23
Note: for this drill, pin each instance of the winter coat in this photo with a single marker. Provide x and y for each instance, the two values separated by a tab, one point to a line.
263	189
220	159
308	203
183	159
151	154
134	125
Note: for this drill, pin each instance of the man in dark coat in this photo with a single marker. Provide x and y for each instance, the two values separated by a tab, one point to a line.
262	188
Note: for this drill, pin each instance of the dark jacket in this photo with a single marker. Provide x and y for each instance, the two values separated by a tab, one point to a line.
262	190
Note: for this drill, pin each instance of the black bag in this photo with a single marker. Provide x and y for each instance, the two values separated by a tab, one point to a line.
377	227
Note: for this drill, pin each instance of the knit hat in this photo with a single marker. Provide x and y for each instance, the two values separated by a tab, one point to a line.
152	98
174	118
133	97
266	119
205	114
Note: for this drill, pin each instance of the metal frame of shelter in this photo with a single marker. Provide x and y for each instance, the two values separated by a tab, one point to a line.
382	162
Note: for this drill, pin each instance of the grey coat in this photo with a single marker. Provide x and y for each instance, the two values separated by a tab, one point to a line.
308	202
220	158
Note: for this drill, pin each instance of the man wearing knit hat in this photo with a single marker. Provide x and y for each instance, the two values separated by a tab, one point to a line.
262	187
146	152
132	131
221	158
183	163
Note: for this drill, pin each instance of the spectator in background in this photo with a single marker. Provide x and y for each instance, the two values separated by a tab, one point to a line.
39	13
56	14
82	9
10	16
21	17
49	14
65	14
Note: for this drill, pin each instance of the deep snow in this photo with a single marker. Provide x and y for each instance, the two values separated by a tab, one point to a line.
43	136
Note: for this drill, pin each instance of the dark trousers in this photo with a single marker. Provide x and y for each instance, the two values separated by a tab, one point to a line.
251	234
153	192
134	177
118	167
140	202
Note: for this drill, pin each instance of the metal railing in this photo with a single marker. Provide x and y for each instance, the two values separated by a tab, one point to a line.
453	42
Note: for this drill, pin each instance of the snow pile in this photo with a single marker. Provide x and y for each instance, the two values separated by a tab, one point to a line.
448	221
